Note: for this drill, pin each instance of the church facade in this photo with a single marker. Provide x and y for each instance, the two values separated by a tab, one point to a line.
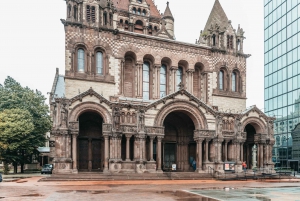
133	99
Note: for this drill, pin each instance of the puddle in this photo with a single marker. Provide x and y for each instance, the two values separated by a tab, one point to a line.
32	195
83	191
248	194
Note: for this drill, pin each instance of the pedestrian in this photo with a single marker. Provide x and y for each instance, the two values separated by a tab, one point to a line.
244	166
194	164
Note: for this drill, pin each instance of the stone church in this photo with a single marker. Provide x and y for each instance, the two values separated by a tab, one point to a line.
135	100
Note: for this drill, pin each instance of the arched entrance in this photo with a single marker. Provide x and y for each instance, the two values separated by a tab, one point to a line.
248	146
90	142
179	146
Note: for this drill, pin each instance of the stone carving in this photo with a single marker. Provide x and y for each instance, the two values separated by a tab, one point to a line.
141	123
74	125
64	115
116	118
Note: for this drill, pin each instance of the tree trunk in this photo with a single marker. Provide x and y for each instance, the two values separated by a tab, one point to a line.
15	167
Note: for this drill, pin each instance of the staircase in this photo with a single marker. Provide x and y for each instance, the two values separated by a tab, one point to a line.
130	176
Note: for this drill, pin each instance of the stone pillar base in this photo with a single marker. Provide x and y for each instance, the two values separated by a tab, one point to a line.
75	171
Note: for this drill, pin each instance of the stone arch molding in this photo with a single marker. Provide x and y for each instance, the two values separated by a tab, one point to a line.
191	110
257	123
88	107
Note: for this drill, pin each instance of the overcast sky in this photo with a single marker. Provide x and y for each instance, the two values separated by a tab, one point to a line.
32	38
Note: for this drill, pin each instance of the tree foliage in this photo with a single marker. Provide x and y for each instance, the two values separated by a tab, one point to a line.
17	102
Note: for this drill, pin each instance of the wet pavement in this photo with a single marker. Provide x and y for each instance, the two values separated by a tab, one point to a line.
164	190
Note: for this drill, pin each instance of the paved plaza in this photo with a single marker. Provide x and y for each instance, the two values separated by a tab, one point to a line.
165	190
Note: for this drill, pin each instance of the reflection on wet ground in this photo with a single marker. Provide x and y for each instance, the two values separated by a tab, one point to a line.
250	194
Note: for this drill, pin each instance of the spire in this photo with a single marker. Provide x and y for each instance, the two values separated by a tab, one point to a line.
217	16
168	12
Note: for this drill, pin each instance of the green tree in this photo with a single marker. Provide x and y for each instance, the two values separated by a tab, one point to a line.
15	129
14	96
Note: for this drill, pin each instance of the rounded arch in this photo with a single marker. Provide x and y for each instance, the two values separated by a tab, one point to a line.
130	54
184	64
256	122
189	109
150	58
90	107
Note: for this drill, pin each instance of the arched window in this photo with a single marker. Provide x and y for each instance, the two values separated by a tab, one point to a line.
144	12
110	19
88	13
146	81
80	60
139	11
104	18
228	41
69	10
99	63
139	1
163	81
179	74
134	10
214	40
233	81
75	13
93	14
238	45
221	80
231	42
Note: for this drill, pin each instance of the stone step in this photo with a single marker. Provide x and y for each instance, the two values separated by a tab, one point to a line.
132	176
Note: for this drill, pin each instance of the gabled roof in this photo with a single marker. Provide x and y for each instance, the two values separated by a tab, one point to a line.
124	5
58	87
217	16
168	12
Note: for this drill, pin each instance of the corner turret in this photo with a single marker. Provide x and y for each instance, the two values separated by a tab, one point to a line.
169	21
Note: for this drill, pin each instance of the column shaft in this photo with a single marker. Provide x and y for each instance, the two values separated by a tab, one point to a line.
127	148
226	151
74	151
106	152
151	149
158	155
199	158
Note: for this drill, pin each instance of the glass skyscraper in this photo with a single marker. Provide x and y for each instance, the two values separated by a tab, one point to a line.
282	76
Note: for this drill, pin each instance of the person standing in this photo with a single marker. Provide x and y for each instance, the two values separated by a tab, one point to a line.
244	166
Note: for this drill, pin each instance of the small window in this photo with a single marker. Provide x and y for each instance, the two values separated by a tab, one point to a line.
144	12
134	10
233	81
121	21
179	75
146	81
221	80
93	14
88	13
228	41
110	19
104	18
80	60
163	81
139	1
139	11
99	63
214	40
231	42
69	10
75	13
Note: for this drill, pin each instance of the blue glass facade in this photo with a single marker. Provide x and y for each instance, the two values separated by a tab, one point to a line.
282	74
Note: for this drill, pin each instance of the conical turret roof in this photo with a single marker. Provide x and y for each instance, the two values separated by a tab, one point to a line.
168	12
217	16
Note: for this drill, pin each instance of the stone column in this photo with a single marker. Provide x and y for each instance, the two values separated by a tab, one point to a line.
261	155
206	150
74	152
173	84
158	81
190	73
265	153
128	147
151	147
199	154
242	151
106	153
158	154
226	150
139	80
122	75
